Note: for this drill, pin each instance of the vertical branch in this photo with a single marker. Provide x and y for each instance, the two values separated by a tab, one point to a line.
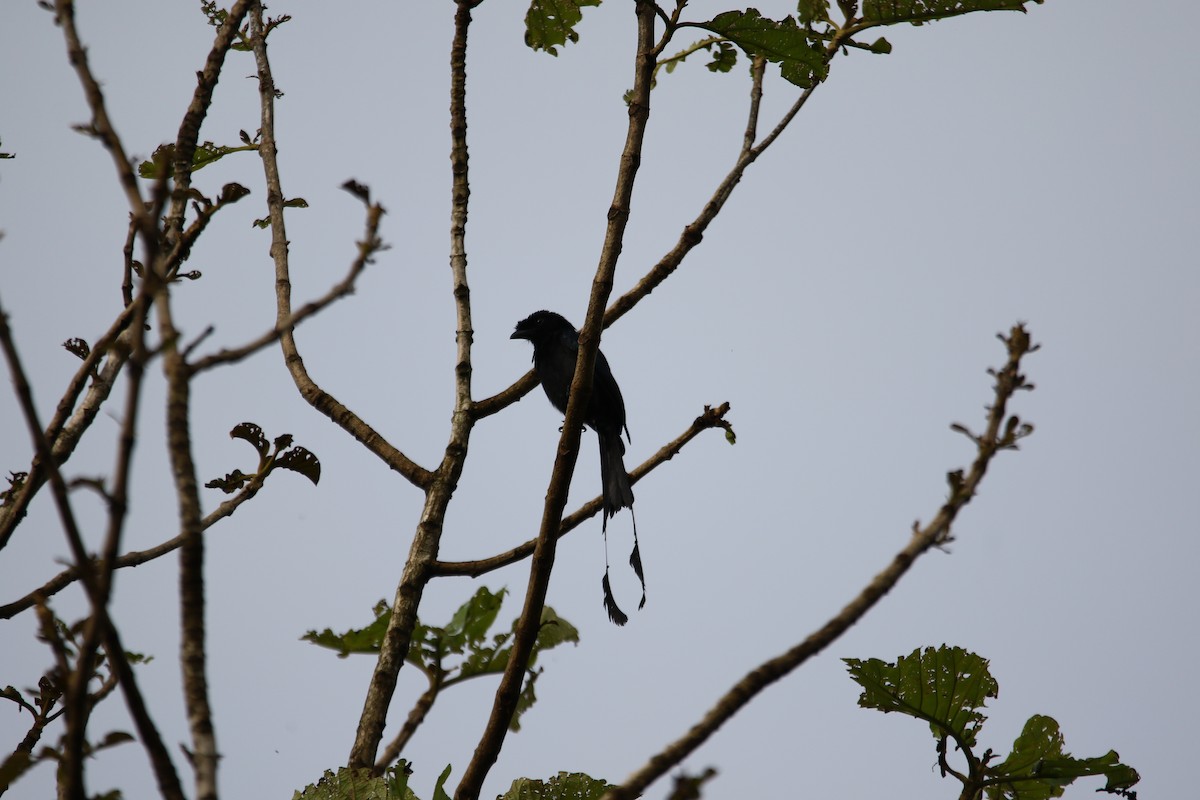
193	118
191	553
542	563
424	549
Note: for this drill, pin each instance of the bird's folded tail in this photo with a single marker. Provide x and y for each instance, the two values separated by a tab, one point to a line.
617	491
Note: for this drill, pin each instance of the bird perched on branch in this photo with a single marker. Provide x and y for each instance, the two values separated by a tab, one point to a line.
555	350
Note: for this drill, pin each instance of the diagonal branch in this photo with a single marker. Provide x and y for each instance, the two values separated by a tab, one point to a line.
317	397
133	558
999	435
711	418
693	233
369	245
168	780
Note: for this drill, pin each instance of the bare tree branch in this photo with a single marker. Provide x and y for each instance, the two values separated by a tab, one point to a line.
101	126
488	749
67	428
416	716
131	559
1001	434
168	780
369	245
711	418
317	397
424	548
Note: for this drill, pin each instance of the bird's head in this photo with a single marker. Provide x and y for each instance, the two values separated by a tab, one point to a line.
541	325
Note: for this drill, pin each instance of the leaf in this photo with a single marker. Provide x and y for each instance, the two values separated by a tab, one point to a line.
16	480
78	348
439	793
295	202
918	12
810	11
359	784
232	192
473	618
800	56
551	23
206	153
563	786
1038	769
945	687
302	461
230	483
724	59
361	640
249	432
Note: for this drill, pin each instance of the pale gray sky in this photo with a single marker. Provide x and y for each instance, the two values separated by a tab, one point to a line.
996	168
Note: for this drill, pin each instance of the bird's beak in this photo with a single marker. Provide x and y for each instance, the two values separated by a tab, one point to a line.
520	334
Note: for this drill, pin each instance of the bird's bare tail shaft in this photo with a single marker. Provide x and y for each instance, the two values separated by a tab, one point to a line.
617	494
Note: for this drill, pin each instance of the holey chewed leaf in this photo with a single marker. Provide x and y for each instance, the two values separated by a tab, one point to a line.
801	57
891	12
550	23
945	687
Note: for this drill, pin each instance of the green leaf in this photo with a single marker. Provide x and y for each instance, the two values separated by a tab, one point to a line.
881	46
800	56
439	792
206	153
945	687
361	640
810	11
563	786
1038	769
551	23
359	784
295	202
918	12
471	621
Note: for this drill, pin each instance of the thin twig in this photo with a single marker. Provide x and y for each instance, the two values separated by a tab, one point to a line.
711	418
66	428
416	716
131	559
101	126
1008	381
366	247
168	780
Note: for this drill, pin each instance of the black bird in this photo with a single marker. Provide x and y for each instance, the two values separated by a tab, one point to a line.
555	350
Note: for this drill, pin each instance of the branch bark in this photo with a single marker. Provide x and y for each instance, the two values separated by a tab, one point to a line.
424	549
1001	434
488	749
711	418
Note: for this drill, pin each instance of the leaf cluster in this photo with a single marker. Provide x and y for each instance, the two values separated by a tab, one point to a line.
948	687
280	454
465	647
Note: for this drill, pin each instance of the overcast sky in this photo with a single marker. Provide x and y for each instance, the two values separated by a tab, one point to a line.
1039	167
